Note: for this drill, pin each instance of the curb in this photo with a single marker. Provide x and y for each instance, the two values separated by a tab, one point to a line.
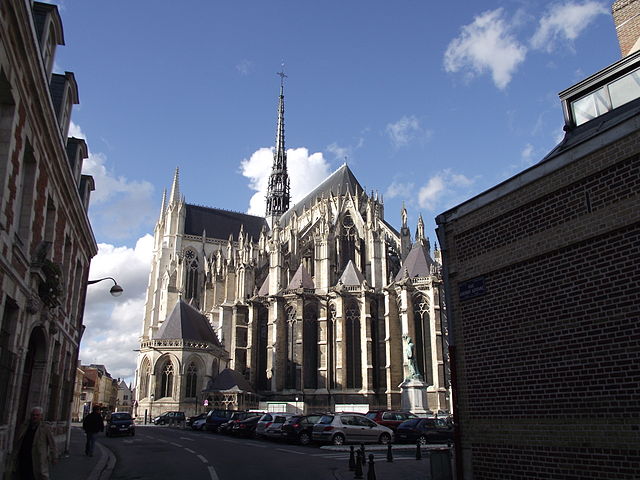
104	468
382	448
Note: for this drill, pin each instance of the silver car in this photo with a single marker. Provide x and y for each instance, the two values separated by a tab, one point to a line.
339	428
275	429
265	421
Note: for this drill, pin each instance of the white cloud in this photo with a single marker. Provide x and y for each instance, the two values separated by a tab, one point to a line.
113	324
405	130
245	67
486	44
527	154
565	22
338	151
305	173
442	187
399	189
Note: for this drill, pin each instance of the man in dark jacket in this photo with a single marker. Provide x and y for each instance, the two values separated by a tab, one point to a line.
92	425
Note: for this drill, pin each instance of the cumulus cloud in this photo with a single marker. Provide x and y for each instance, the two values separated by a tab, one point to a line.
400	190
565	22
113	325
305	173
527	154
441	188
486	44
405	130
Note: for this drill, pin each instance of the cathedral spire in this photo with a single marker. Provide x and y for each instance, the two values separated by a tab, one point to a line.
278	188
174	196
163	208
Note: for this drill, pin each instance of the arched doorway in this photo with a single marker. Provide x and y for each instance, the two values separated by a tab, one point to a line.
33	374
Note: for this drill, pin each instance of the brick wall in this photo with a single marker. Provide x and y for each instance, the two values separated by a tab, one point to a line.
626	17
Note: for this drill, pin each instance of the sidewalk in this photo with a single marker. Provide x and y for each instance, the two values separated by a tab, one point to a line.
77	465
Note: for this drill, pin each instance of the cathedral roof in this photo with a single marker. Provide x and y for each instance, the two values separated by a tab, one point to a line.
229	380
187	323
301	279
264	289
339	182
418	262
221	223
351	275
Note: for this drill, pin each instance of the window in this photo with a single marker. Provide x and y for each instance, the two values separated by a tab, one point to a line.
145	373
191	283
27	186
423	336
166	386
192	380
290	378
125	397
354	352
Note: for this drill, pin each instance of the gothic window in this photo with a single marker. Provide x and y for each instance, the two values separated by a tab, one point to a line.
375	352
423	336
261	366
354	355
191	267
308	257
192	380
290	378
310	345
331	342
347	242
166	385
145	373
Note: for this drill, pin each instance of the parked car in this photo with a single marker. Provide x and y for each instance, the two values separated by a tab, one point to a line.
339	428
199	424
265	421
425	430
299	428
389	418
227	426
120	423
217	417
247	427
193	418
275	429
169	418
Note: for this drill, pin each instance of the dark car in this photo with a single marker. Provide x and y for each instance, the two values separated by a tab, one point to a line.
425	430
299	428
217	417
120	423
389	418
235	417
170	418
246	428
193	418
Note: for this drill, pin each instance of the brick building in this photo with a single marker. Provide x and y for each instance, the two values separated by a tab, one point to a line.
543	294
46	242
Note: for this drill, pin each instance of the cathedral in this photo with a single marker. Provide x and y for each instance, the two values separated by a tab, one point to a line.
319	304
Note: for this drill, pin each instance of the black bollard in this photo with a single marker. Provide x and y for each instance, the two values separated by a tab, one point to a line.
358	472
371	473
418	452
363	455
389	454
352	461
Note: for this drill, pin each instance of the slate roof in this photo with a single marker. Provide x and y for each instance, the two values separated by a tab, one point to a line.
418	262
264	289
221	223
301	279
187	323
229	380
339	182
351	275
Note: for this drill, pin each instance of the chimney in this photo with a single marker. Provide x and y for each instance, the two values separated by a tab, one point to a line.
626	17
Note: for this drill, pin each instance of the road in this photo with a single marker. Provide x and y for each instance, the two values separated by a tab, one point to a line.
172	453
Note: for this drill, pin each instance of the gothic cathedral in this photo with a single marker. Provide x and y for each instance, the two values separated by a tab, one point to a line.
322	303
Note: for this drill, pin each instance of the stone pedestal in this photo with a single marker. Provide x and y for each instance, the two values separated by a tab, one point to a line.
414	396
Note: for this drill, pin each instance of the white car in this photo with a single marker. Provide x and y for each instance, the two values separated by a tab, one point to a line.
274	430
339	428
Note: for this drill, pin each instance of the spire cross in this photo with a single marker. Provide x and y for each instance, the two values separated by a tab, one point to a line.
282	76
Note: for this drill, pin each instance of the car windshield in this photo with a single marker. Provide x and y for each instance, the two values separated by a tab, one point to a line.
410	423
279	419
371	415
120	416
326	419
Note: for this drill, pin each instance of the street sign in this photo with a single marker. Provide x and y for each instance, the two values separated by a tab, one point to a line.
206	403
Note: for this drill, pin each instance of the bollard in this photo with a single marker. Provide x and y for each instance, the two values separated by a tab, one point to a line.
358	472
389	454
363	455
352	461
371	473
418	452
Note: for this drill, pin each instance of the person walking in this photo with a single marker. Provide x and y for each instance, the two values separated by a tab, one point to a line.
92	425
35	448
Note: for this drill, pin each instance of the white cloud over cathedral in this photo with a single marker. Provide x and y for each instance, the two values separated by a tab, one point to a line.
305	173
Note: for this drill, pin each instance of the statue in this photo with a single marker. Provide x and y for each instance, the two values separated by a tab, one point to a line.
409	353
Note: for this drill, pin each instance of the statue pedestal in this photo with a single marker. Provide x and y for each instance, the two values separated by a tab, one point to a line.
414	396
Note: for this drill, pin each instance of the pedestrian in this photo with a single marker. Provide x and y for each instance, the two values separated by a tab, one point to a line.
92	425
34	448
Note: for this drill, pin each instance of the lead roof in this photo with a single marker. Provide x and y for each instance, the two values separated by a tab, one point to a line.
186	323
218	223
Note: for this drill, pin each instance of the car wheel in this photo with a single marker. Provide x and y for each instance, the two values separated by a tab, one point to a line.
385	438
338	439
422	440
304	438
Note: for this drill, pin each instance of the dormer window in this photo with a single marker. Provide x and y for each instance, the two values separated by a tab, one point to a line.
49	30
64	94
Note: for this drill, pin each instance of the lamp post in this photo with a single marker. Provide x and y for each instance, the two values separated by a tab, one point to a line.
116	290
151	397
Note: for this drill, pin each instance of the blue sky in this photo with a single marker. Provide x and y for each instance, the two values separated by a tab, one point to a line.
431	103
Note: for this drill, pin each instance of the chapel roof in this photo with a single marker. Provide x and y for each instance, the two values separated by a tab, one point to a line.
418	262
351	275
301	279
229	380
339	182
187	323
218	223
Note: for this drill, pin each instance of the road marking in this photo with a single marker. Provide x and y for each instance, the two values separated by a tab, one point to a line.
212	472
176	444
189	450
202	459
187	438
290	451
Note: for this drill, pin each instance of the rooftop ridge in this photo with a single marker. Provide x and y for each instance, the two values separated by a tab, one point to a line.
223	210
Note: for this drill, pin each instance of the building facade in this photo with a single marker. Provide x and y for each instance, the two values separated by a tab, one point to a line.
543	294
46	242
310	303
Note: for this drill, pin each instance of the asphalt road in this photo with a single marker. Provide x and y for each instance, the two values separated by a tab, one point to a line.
171	453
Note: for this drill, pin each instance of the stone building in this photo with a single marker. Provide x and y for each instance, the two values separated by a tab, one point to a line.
544	300
310	303
46	242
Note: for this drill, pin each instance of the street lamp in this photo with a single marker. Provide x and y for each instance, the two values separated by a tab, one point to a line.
116	290
151	407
